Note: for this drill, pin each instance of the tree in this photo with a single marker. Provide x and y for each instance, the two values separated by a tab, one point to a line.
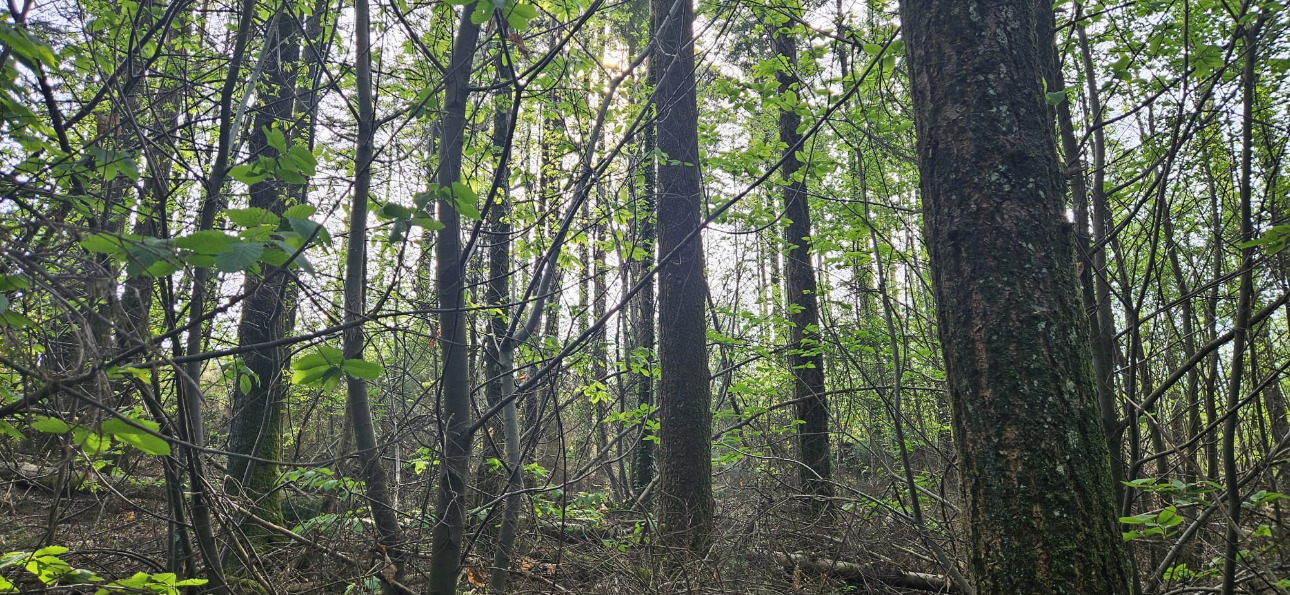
1035	468
805	359
269	310
454	384
357	404
685	504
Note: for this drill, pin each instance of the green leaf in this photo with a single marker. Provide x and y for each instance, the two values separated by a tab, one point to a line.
872	49
146	441
427	223
106	243
303	159
239	257
310	376
50	425
14	282
325	356
395	211
299	212
308	229
7	429
209	242
525	11
290	176
1055	98
276	139
483	11
362	369
464	199
251	217
25	47
247	174
15	320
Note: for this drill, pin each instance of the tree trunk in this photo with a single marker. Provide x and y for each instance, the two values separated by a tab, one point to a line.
643	303
685	504
1036	480
805	360
446	539
360	413
267	312
1245	301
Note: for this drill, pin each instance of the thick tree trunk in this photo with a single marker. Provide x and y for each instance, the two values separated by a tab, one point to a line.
685	504
805	359
1038	495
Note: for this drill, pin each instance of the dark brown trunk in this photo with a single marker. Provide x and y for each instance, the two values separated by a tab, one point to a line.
446	540
256	427
685	504
805	360
1036	480
643	304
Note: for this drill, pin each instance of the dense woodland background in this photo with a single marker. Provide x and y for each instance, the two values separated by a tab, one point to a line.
320	296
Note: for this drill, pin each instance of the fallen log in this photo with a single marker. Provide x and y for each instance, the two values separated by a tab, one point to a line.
80	481
851	571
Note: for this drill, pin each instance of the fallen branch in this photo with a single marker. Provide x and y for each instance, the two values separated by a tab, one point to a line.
79	481
852	571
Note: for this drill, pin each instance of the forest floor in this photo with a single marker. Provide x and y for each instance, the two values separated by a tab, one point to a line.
769	548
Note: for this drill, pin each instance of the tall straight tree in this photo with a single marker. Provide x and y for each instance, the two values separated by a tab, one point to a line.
360	412
256	427
1035	468
685	502
804	357
445	550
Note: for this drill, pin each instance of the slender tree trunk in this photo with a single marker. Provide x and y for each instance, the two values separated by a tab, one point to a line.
1241	326
360	413
1038	493
643	304
446	539
256	427
497	294
685	504
1103	336
192	428
805	360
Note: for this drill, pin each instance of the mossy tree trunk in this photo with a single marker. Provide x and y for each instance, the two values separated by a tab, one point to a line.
267	312
1036	480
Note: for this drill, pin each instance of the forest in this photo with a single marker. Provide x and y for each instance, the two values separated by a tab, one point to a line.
644	296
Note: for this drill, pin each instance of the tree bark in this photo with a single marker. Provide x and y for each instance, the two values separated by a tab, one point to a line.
256	427
446	539
1036	481
805	360
643	303
360	413
685	504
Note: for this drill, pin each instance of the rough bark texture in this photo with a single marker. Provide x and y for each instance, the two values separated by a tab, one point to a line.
804	357
1035	470
685	502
